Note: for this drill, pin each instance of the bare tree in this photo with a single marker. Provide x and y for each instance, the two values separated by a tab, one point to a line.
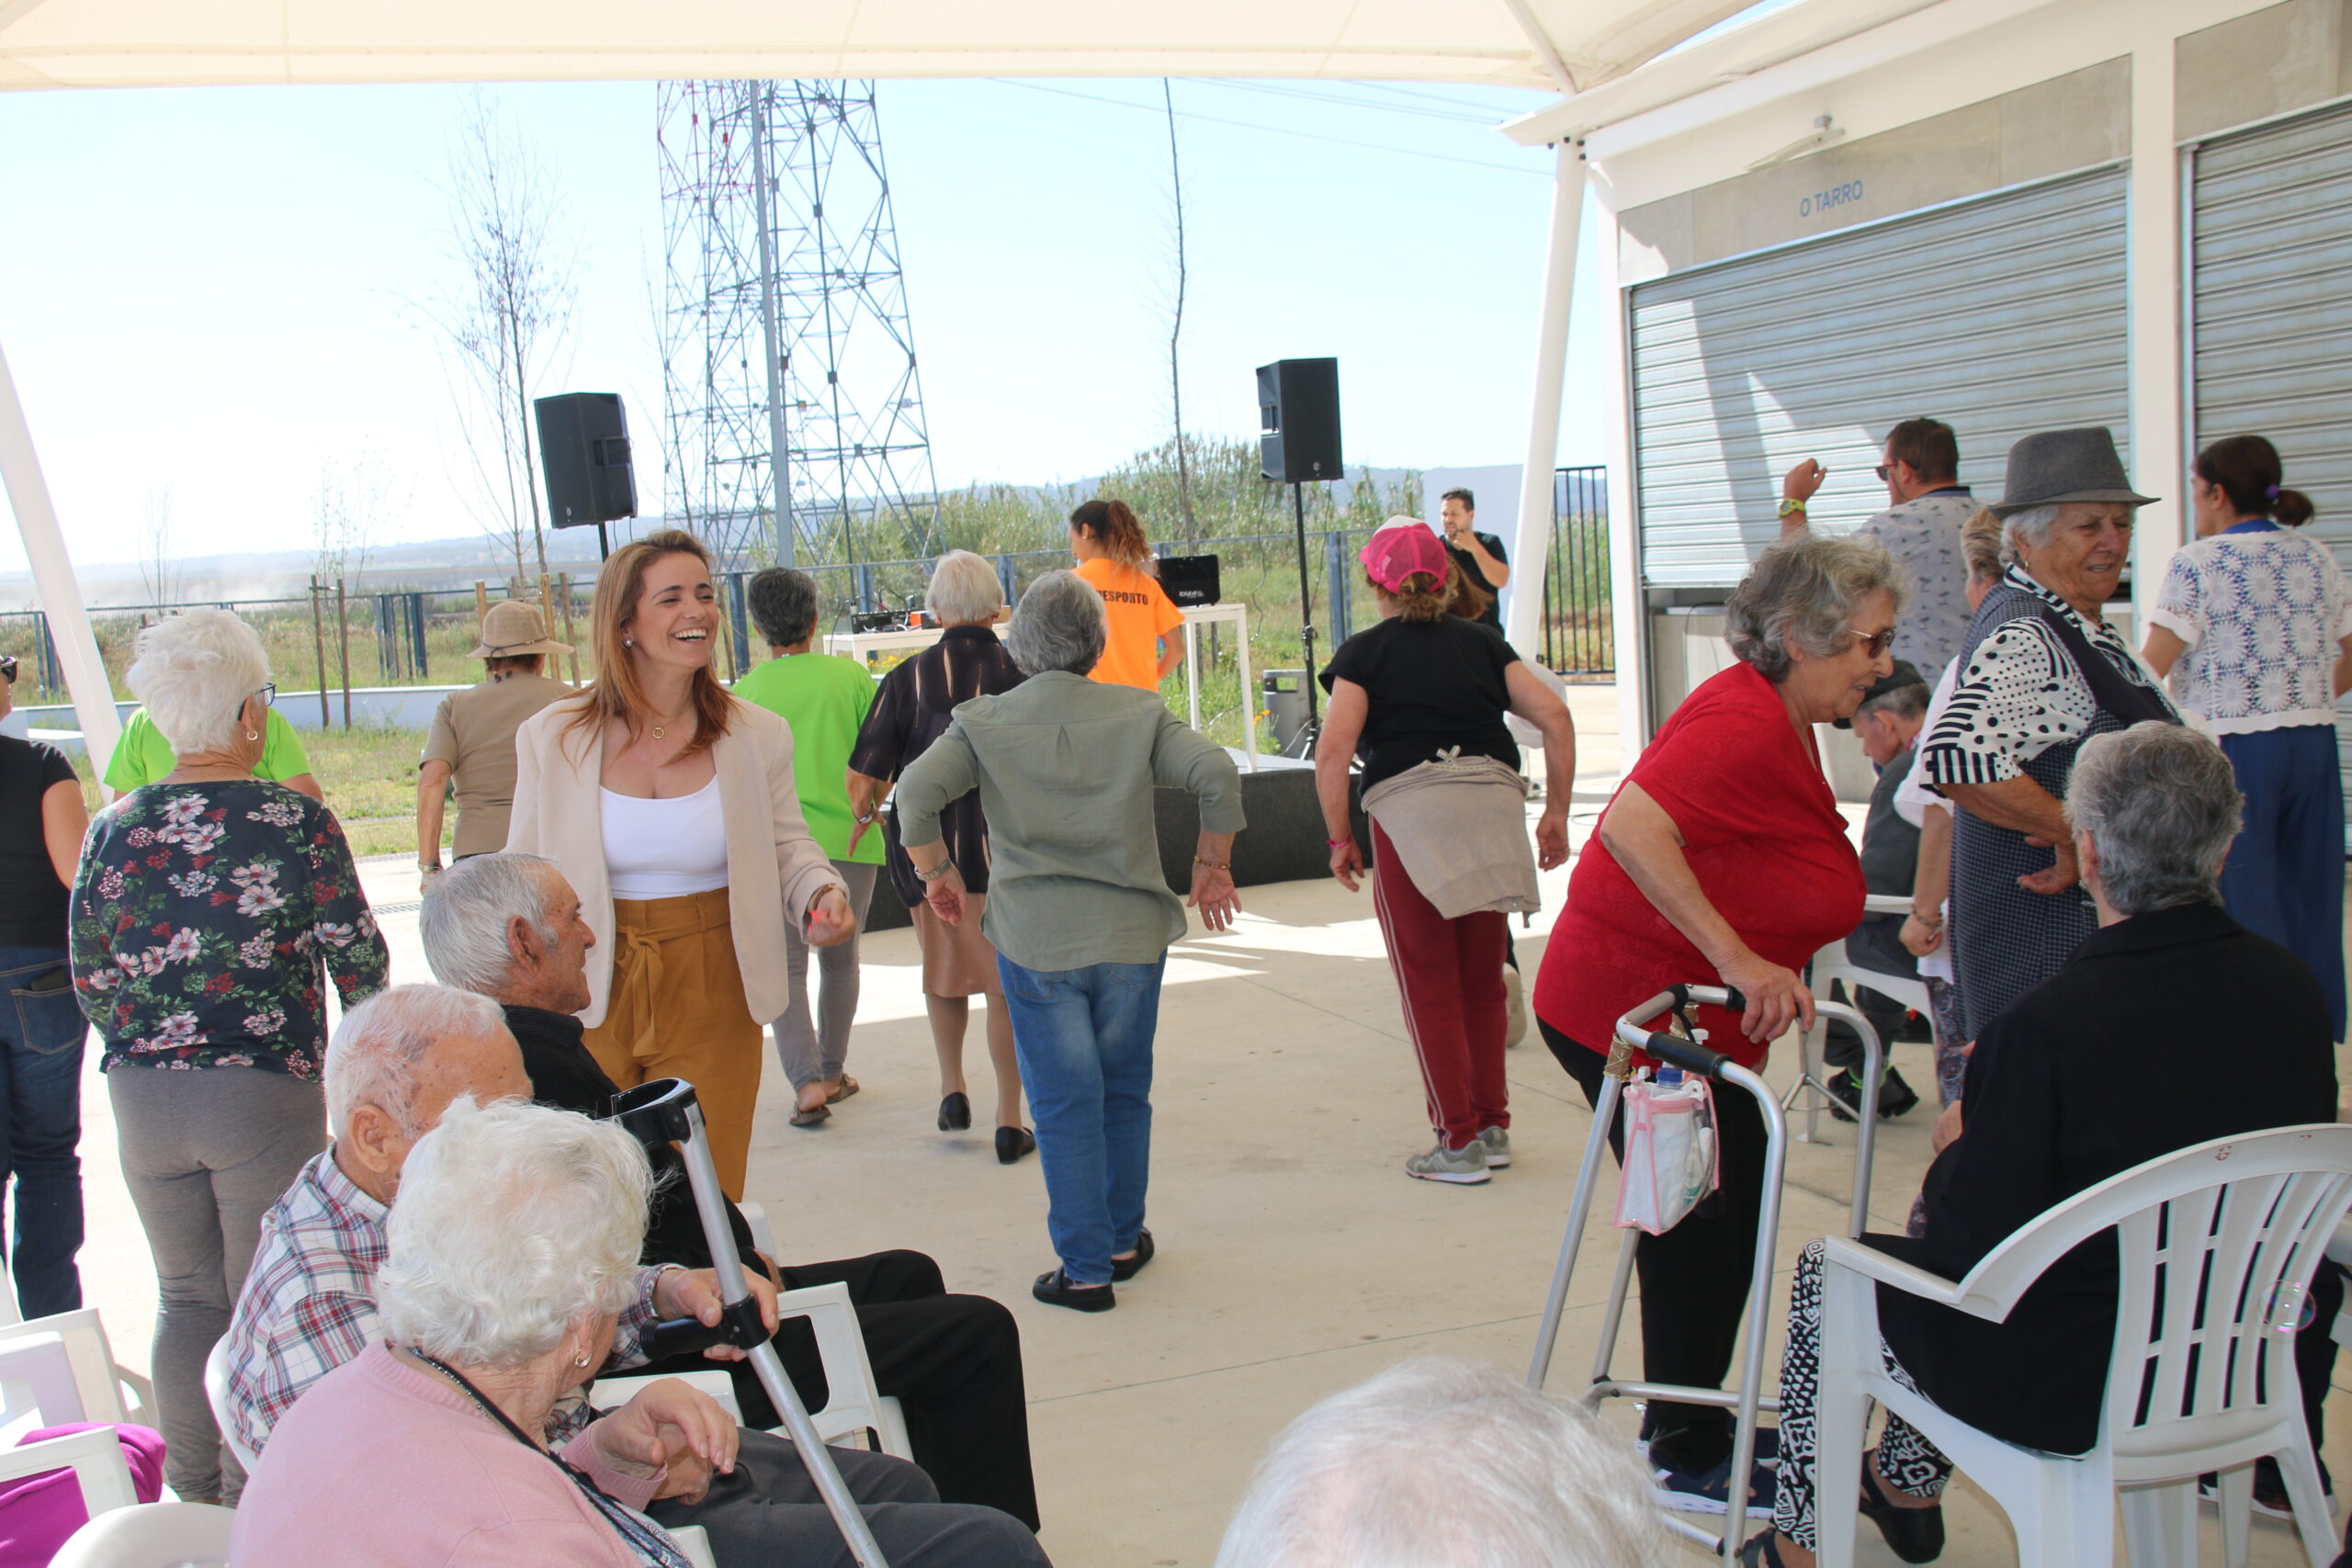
507	315
353	496
156	572
1176	323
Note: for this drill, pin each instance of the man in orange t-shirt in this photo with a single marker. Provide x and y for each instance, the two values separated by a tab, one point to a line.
1140	646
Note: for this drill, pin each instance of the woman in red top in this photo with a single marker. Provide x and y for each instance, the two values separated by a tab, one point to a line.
1723	859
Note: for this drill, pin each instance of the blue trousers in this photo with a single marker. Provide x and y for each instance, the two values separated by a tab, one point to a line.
2285	874
41	1092
1084	1039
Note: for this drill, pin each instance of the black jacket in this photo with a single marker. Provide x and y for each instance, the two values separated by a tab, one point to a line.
2162	1031
565	1076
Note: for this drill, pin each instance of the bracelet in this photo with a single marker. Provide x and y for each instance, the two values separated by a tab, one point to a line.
864	821
937	872
1213	864
1930	921
1348	842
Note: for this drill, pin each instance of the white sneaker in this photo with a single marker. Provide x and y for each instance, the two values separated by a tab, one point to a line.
1496	1143
1465	1167
1514	1008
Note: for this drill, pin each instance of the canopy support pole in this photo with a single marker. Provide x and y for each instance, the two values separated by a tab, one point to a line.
61	595
1523	619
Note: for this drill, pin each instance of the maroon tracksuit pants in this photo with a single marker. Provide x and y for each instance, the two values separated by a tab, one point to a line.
1450	974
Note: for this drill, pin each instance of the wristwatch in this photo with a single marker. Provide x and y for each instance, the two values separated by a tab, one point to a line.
936	874
1790	504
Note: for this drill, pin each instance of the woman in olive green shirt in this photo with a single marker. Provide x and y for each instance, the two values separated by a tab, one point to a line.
824	698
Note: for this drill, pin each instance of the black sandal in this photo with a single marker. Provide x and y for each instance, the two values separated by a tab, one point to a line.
1759	1552
1916	1535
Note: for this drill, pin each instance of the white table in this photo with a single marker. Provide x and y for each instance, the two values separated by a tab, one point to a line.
860	645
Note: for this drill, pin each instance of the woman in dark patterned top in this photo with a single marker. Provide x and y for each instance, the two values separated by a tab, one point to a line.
209	909
912	710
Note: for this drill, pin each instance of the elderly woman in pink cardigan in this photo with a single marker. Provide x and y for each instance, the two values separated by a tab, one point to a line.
427	1449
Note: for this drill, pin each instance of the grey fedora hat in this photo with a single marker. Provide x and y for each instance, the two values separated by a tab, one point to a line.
2051	466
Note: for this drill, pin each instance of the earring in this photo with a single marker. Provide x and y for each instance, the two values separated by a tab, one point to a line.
628	642
251	736
581	1360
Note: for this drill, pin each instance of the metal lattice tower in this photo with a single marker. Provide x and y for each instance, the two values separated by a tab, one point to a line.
789	366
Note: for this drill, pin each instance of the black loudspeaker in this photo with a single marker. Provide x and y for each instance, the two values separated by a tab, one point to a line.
1298	407
583	452
1190	580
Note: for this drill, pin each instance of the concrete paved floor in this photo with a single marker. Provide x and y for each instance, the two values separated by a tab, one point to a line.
1296	1257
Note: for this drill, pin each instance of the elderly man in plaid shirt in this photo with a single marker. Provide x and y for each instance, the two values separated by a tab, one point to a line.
309	1305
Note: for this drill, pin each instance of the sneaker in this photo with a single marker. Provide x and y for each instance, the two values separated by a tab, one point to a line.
1465	1167
1709	1491
1514	1008
1894	1096
2270	1491
1496	1143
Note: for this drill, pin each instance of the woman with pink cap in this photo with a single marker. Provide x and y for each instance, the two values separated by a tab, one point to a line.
1419	701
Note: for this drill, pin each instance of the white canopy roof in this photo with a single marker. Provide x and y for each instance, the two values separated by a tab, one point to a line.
1562	45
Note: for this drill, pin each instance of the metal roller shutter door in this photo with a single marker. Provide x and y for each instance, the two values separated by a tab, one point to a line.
2271	281
2000	315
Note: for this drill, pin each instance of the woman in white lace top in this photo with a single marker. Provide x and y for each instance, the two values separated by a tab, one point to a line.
2253	629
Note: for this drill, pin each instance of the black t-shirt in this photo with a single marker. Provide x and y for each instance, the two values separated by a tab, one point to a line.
1433	685
32	901
1467	565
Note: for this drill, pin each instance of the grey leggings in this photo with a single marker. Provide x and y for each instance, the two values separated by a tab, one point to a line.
813	1052
205	1155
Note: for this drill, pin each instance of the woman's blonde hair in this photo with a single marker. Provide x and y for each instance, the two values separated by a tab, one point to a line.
1422	596
1114	527
617	693
1980	546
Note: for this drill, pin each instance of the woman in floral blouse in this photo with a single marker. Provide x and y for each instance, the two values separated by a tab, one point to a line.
209	907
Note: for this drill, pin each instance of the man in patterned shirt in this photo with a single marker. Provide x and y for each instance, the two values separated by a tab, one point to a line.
308	1303
1920	529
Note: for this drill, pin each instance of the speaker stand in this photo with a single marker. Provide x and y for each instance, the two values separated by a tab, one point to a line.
1306	621
604	545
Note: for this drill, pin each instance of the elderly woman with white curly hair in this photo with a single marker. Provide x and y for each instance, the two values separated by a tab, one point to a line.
513	1249
209	907
1080	912
2040	672
1723	859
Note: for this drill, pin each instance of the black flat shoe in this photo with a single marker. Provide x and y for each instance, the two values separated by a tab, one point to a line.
1916	1535
955	1114
1125	1268
1057	1289
1011	1142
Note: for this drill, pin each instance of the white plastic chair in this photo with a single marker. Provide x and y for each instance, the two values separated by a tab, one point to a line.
216	1394
2234	1226
150	1535
1832	964
692	1539
853	1404
66	1364
756	1218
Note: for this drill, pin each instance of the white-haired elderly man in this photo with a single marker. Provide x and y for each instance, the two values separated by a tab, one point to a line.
395	1064
1441	1460
508	927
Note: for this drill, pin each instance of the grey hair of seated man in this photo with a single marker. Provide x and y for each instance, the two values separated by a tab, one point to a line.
1806	592
194	672
378	1047
1439	1461
2160	804
965	589
515	1222
1059	626
471	907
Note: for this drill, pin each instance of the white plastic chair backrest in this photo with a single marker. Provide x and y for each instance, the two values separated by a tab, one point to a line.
216	1394
96	1380
9	1312
150	1535
852	1402
2217	1245
692	1539
755	1220
96	1458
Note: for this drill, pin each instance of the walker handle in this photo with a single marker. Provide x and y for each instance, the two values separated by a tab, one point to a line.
1678	1052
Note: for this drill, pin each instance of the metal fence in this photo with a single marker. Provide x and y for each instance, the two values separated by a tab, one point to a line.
1580	635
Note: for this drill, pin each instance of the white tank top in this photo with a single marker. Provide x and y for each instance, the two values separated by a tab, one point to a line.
664	849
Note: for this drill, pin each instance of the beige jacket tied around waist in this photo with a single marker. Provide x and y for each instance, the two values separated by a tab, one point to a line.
1459	827
774	868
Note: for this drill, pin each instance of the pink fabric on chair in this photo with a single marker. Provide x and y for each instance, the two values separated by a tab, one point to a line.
39	1512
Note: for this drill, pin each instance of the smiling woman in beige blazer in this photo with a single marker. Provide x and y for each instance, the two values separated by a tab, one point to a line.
670	805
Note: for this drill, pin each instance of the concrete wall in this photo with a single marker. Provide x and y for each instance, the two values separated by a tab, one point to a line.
2270	63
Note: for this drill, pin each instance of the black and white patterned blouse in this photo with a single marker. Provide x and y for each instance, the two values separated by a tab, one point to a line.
2020	694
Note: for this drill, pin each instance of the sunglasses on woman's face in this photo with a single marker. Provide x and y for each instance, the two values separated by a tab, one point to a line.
8	668
1877	643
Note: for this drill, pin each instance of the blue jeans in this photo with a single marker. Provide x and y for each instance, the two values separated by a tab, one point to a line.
40	1088
1084	1039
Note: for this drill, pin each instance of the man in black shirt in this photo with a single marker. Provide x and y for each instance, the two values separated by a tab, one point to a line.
1479	557
952	1361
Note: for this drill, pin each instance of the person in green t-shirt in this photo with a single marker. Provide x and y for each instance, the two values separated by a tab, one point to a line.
143	756
824	698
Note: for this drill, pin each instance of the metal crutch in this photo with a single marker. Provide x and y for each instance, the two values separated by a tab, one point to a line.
1687	1051
665	1112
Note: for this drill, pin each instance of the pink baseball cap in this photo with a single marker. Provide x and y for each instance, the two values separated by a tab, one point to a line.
1402	547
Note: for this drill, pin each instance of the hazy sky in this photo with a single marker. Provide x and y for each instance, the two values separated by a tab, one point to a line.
210	297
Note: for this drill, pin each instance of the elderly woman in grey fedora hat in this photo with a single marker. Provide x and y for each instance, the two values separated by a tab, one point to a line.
472	739
2041	672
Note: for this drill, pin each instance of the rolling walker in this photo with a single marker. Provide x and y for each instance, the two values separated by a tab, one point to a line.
664	1112
1681	1045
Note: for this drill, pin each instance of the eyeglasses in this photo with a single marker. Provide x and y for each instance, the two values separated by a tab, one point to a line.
8	668
269	695
1876	644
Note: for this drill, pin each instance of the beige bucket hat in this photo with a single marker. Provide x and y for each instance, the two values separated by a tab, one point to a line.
511	629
